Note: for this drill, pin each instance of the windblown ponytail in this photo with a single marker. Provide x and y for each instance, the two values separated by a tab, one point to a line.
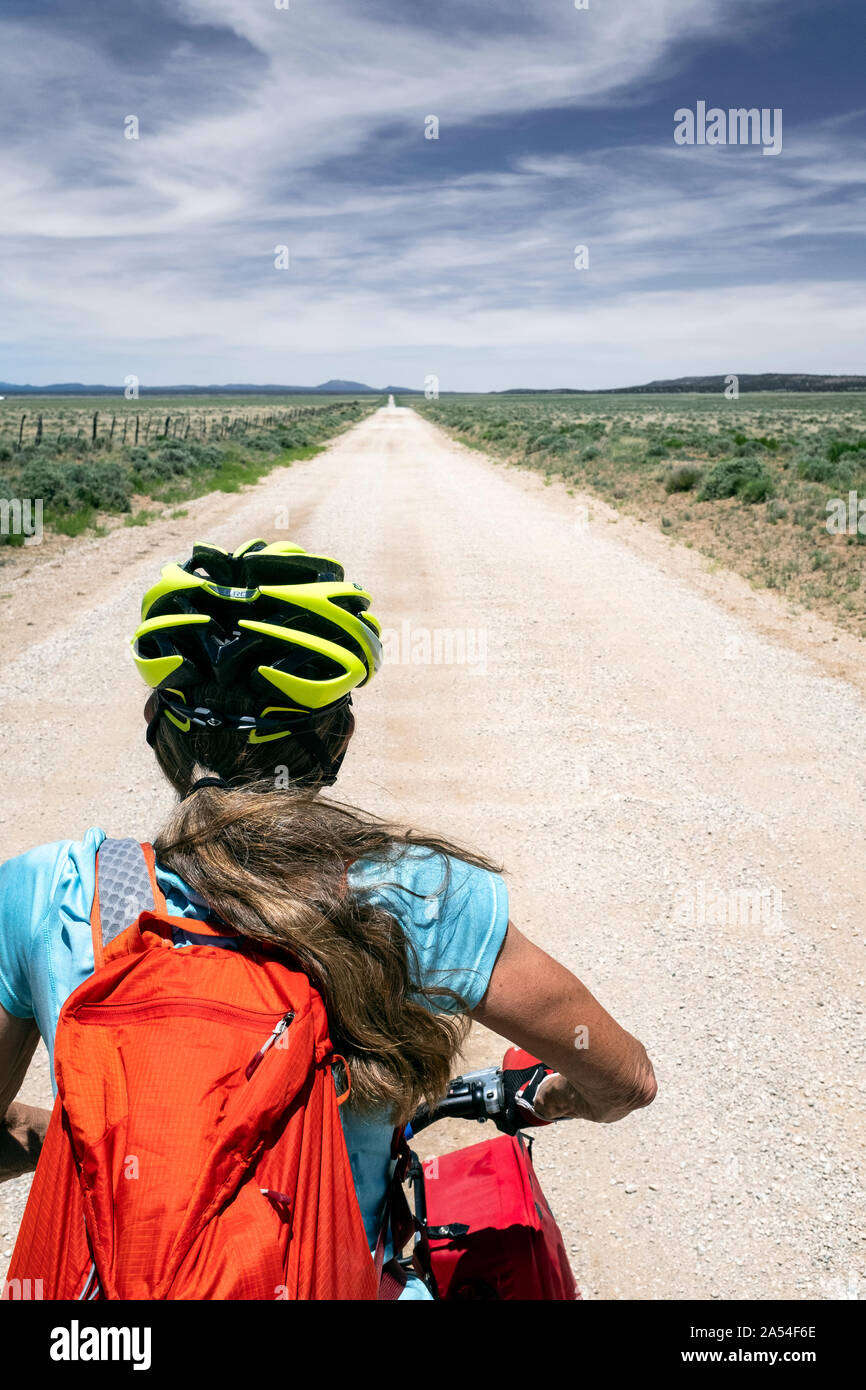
272	863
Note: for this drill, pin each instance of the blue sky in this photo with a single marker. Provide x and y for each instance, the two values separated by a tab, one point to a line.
408	257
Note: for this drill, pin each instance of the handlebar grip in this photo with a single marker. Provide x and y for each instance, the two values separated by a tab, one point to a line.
522	1075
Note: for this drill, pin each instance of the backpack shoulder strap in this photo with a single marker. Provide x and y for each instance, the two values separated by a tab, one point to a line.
126	886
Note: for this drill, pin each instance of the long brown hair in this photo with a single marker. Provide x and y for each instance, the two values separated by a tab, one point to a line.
269	856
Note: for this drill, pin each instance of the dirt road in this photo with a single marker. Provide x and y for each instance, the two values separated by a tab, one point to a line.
678	799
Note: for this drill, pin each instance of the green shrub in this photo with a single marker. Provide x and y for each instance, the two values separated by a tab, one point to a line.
730	477
756	489
207	455
817	470
159	468
297	438
69	487
175	460
844	446
682	479
178	454
561	444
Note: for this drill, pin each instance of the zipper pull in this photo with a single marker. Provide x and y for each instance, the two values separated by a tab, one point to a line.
269	1042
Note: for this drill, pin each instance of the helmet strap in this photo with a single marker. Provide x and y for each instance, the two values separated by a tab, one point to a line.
205	721
329	766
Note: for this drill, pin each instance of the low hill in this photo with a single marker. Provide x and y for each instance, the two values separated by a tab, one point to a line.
715	385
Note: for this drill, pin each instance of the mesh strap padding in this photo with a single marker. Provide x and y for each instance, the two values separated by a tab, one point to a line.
124	886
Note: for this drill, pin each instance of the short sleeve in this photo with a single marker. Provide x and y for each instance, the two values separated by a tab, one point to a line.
45	950
25	897
454	914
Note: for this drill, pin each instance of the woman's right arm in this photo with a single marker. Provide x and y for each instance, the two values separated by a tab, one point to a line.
535	1002
27	885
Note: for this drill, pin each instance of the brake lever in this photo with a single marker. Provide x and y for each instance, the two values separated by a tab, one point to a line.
475	1095
486	1090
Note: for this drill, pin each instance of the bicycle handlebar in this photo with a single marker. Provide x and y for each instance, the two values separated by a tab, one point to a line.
476	1095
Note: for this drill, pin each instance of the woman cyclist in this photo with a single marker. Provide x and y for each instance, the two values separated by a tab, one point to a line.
252	658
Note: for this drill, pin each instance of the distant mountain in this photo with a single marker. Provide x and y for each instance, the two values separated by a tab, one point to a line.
767	381
328	388
68	388
341	387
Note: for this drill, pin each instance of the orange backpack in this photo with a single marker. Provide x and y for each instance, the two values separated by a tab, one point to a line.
195	1150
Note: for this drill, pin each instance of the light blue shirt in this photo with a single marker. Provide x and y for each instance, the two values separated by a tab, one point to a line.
454	915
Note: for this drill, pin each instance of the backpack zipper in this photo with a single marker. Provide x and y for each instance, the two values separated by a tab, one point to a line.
269	1042
192	1008
154	1008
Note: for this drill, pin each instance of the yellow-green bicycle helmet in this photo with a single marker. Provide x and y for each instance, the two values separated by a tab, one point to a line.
268	620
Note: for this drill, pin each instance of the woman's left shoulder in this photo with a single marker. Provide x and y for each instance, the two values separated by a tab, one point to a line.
454	912
426	872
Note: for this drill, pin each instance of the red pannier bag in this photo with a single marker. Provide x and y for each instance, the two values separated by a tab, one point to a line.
513	1248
